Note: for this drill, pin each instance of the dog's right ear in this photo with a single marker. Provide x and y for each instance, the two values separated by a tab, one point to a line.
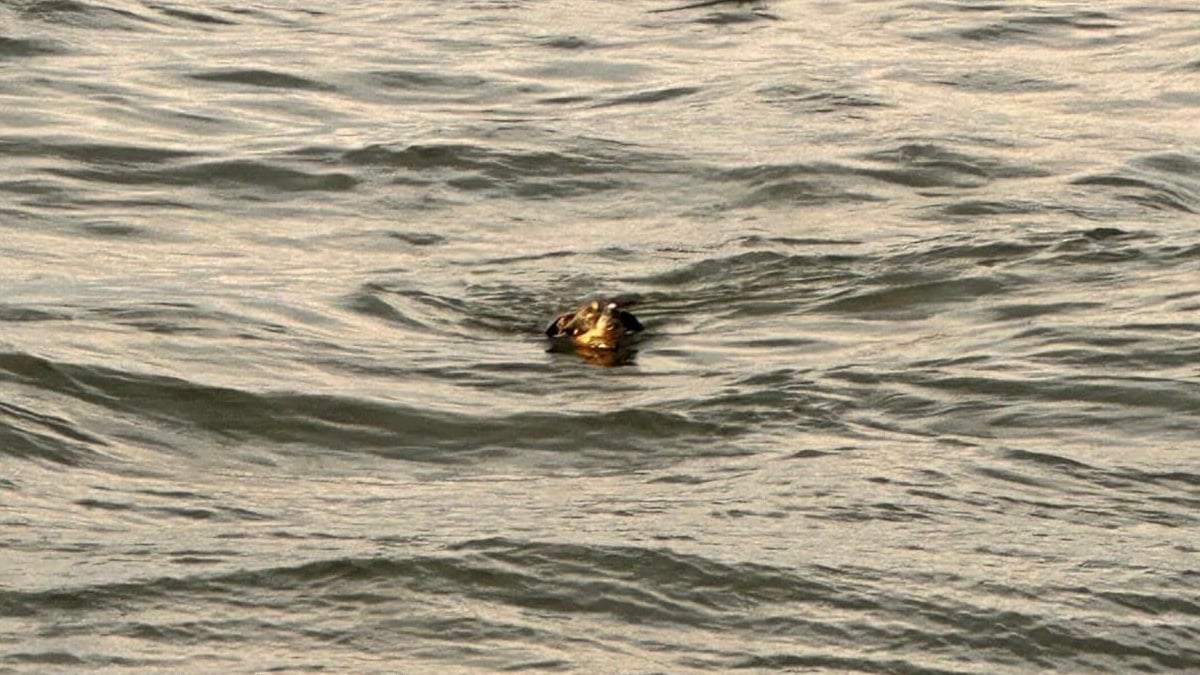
630	322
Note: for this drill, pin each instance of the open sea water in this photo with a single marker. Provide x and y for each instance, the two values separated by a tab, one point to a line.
919	390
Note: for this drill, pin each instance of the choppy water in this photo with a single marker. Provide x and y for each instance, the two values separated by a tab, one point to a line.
920	391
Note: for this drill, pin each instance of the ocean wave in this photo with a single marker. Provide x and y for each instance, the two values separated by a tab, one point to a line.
344	424
691	611
1169	181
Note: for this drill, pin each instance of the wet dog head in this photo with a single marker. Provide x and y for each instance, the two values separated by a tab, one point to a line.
599	324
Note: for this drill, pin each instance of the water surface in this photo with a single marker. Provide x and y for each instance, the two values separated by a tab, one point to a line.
919	390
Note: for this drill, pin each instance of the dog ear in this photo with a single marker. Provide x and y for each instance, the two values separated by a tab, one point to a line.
558	327
630	322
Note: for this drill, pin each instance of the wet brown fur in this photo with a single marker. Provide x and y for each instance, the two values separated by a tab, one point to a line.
601	324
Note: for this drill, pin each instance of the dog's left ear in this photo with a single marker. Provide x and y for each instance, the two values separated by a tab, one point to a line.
558	327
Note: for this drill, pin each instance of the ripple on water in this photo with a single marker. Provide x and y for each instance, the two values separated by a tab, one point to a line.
262	78
1168	181
689	610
